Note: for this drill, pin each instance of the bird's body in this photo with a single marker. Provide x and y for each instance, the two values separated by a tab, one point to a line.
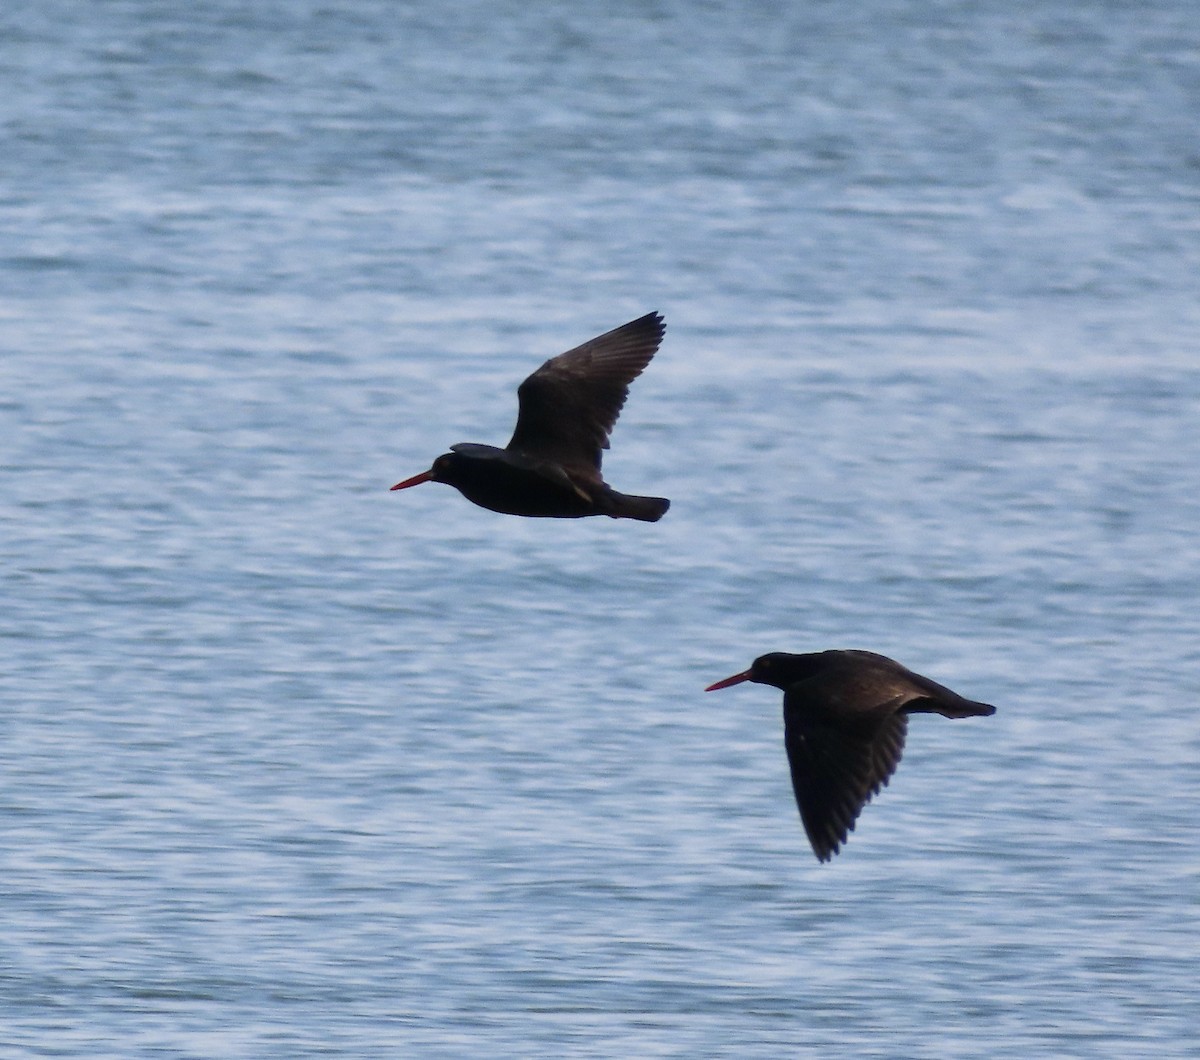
551	466
845	717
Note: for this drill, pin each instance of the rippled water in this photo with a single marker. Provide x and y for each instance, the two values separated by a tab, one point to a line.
290	765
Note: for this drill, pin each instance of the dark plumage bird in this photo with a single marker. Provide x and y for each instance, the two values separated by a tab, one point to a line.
845	715
551	465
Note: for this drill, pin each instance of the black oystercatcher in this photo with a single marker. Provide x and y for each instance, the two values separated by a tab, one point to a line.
551	465
845	714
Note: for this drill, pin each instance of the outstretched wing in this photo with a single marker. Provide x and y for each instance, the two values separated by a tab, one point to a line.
836	770
569	405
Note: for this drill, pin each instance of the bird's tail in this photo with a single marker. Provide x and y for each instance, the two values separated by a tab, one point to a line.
959	707
626	506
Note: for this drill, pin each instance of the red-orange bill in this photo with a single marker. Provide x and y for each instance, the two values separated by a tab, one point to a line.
736	679
416	480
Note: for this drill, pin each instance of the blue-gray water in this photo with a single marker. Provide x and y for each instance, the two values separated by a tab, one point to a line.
291	765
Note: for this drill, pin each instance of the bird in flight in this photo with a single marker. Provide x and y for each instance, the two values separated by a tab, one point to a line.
567	409
845	716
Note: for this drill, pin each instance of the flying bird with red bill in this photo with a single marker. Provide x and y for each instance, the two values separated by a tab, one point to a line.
567	409
845	718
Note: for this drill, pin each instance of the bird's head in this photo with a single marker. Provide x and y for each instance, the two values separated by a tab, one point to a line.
440	472
778	668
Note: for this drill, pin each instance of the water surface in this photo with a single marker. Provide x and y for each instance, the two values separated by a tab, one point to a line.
290	765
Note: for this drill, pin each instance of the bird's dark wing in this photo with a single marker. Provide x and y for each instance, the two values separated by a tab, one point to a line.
836	769
876	677
569	405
